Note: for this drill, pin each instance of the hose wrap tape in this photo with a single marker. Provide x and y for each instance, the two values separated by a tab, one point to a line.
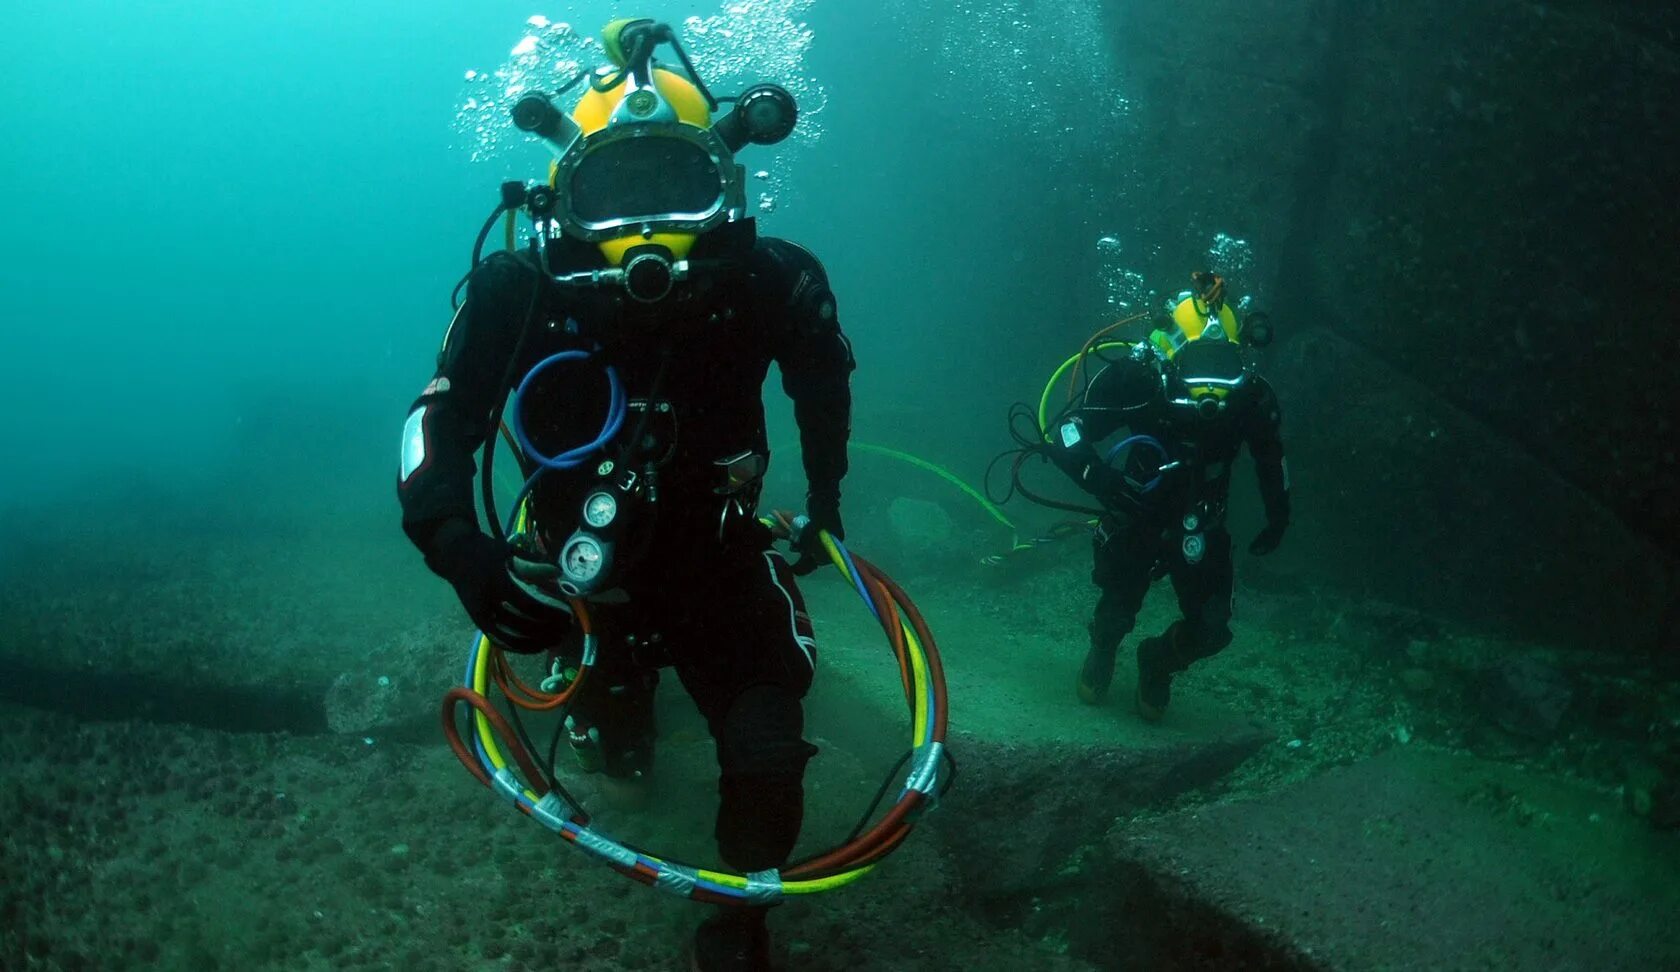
508	785
605	847
677	879
764	887
924	770
551	812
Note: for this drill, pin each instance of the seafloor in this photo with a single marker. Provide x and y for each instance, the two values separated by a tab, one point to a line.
221	752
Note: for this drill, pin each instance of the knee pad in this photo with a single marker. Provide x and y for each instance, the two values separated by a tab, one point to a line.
760	735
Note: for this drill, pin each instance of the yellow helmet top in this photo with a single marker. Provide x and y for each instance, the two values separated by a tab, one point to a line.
1190	322
595	109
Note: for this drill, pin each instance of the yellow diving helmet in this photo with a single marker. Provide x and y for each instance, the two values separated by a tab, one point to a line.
640	165
1202	348
1194	317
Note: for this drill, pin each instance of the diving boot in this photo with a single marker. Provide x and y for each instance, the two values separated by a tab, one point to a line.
1095	675
733	940
1154	668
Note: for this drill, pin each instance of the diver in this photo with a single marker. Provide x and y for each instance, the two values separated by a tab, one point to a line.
1188	401
634	334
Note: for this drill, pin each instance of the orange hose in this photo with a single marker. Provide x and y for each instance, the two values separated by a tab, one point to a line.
535	700
883	831
1091	342
930	648
524	695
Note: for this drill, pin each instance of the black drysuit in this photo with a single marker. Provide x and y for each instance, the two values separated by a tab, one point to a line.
708	596
1142	535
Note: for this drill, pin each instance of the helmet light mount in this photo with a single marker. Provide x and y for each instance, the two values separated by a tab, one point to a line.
1257	331
536	114
764	114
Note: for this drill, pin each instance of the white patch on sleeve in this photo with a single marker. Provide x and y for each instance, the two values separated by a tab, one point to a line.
414	442
1285	465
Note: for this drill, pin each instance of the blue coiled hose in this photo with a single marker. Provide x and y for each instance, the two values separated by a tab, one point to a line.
1142	440
617	408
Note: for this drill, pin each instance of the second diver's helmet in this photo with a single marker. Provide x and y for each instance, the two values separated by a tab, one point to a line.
642	168
1205	370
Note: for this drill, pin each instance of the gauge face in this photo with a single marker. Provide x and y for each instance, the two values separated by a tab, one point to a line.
599	510
582	560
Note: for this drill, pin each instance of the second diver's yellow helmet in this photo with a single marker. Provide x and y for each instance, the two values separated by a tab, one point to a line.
1198	314
1201	346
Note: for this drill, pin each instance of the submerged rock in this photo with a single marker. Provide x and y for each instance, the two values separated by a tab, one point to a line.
919	523
1417	680
1525	696
1653	793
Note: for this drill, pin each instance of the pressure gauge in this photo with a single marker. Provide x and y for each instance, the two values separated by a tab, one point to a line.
600	509
582	560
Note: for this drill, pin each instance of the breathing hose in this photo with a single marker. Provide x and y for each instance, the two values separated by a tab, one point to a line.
514	774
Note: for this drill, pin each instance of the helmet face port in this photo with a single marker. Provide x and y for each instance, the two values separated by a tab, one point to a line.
649	275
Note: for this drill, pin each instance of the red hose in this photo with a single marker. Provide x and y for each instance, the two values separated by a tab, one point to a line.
498	724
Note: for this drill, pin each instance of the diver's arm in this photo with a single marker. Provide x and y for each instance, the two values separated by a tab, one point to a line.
1085	466
1265	443
1108	405
447	423
817	364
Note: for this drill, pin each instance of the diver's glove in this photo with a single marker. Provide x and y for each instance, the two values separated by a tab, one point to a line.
823	511
513	599
1268	539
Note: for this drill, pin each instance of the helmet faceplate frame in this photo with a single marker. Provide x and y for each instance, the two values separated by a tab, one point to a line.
728	206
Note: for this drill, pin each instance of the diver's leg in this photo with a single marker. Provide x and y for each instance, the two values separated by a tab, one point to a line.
1204	601
748	660
749	676
1121	564
748	667
1204	598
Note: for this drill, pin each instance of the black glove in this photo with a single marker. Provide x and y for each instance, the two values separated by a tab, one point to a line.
1268	539
823	510
513	599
